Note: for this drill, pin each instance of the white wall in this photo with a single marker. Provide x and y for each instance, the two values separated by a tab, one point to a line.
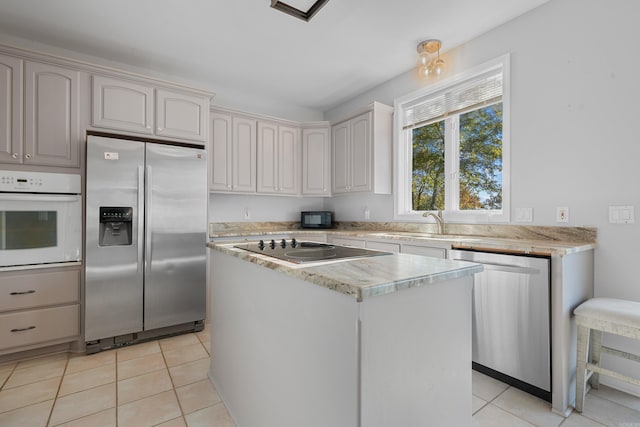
231	207
575	94
226	96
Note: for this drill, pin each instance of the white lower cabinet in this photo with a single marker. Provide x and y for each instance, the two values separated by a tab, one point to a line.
423	250
389	246
39	309
26	328
346	241
383	246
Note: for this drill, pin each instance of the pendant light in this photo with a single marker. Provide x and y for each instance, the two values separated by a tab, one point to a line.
429	66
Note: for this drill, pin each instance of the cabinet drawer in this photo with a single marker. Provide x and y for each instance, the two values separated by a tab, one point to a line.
20	291
35	326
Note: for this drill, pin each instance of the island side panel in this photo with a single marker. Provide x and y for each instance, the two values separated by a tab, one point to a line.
416	356
284	351
571	285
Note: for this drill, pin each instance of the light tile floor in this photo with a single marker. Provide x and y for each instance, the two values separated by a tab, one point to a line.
165	383
158	383
496	404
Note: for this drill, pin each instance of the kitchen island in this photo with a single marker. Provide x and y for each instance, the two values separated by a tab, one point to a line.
376	341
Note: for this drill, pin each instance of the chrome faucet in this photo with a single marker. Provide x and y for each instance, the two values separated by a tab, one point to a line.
438	218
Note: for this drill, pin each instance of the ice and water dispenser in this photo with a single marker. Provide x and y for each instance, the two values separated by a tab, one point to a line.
115	226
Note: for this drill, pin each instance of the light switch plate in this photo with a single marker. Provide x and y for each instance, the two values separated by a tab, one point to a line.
621	215
524	214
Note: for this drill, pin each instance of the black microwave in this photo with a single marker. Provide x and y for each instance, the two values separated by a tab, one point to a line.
316	219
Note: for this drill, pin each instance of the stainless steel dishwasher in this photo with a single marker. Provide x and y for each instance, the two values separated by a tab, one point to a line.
511	319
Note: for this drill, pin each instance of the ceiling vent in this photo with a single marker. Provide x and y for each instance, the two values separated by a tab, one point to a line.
300	14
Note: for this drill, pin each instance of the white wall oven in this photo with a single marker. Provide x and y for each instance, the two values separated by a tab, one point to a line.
40	219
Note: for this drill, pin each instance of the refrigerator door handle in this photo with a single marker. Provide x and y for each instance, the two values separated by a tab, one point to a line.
141	211
148	208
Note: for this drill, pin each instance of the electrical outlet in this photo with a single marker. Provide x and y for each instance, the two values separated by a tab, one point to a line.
246	213
524	214
367	213
562	214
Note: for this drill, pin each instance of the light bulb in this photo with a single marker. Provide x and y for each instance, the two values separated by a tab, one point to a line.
439	66
423	58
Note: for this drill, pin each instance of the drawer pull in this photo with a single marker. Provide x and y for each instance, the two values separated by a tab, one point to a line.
28	328
23	293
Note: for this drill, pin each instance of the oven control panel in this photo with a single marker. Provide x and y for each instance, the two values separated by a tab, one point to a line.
39	182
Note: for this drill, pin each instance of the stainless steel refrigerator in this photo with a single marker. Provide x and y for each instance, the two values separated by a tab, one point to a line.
146	221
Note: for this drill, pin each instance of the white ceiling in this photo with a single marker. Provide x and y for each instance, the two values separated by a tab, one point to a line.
349	47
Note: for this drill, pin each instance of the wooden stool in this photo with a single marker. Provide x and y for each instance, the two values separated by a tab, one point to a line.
594	317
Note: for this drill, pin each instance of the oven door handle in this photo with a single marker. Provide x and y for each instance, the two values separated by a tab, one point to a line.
19	197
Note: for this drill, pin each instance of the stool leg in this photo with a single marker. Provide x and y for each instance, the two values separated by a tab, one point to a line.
581	365
596	346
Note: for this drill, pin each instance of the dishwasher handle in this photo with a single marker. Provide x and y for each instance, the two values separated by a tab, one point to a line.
503	267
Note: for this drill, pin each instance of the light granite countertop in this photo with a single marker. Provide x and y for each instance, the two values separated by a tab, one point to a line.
529	246
363	277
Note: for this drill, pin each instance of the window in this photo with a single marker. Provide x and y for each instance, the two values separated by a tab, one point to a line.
452	147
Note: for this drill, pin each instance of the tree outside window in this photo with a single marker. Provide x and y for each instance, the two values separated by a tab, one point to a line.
477	137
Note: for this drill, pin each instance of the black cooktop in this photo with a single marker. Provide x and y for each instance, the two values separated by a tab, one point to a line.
300	252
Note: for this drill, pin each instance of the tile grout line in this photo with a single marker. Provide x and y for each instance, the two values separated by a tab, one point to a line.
175	391
55	398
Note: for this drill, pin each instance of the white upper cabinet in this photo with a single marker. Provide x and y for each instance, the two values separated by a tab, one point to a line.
232	154
45	107
181	115
52	122
244	155
288	160
10	109
124	105
278	161
220	152
316	162
362	152
141	108
254	153
341	158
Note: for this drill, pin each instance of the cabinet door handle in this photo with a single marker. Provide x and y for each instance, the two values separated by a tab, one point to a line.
27	156
28	328
14	156
31	291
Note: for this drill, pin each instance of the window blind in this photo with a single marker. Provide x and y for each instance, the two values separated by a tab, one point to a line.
480	90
